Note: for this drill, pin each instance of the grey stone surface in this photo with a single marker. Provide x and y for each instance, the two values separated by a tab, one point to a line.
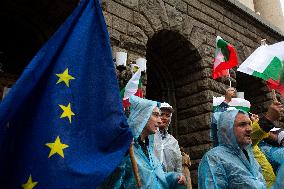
119	10
142	22
132	4
137	33
119	24
193	124
175	18
196	110
199	137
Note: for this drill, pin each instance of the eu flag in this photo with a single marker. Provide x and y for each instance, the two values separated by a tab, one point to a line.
67	127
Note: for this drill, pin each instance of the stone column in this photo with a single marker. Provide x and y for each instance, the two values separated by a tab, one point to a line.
248	3
271	11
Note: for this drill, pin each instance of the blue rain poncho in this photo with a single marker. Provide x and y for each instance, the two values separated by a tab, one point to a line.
226	166
276	157
150	170
213	126
268	150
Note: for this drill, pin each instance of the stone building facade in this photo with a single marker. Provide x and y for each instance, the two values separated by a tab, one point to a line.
271	10
177	37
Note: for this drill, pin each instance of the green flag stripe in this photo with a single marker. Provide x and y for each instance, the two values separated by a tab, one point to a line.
140	83
223	45
122	92
246	109
273	70
260	75
282	76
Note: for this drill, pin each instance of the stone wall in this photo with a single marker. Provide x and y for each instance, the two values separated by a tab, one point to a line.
184	33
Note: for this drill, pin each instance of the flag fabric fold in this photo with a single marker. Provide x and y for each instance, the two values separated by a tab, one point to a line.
238	103
67	128
133	87
225	58
266	62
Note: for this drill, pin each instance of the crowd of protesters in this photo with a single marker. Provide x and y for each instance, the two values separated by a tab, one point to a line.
248	150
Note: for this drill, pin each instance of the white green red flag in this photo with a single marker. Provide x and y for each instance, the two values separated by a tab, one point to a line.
133	87
266	63
225	58
238	103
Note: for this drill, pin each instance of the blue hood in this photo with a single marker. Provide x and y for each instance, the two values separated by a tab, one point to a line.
226	134
140	112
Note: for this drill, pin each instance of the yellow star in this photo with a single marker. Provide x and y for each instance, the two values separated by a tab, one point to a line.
29	184
56	147
64	77
67	112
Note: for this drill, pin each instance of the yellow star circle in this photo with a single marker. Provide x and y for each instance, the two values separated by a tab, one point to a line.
65	77
56	147
67	112
29	184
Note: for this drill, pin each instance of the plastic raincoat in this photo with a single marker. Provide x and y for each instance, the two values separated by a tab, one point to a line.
269	151
150	170
226	166
276	157
168	152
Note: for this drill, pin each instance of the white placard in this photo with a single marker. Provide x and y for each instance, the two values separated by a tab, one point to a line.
141	62
121	58
241	95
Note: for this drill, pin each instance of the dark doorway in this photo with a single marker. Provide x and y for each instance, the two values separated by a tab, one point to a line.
171	57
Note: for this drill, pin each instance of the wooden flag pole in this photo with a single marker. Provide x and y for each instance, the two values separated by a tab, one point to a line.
134	166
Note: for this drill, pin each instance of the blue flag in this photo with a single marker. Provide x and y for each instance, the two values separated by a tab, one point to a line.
62	124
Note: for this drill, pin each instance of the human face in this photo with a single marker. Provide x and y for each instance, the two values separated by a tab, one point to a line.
231	92
273	136
165	118
153	122
242	130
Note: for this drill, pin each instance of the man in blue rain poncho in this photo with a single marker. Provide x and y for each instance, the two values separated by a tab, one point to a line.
144	120
231	164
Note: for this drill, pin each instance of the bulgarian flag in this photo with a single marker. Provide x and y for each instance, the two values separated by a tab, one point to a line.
237	103
133	87
225	58
266	63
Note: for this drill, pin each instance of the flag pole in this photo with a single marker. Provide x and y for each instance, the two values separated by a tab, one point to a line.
230	82
134	166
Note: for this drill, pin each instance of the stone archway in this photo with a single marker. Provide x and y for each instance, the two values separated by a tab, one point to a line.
177	74
170	57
